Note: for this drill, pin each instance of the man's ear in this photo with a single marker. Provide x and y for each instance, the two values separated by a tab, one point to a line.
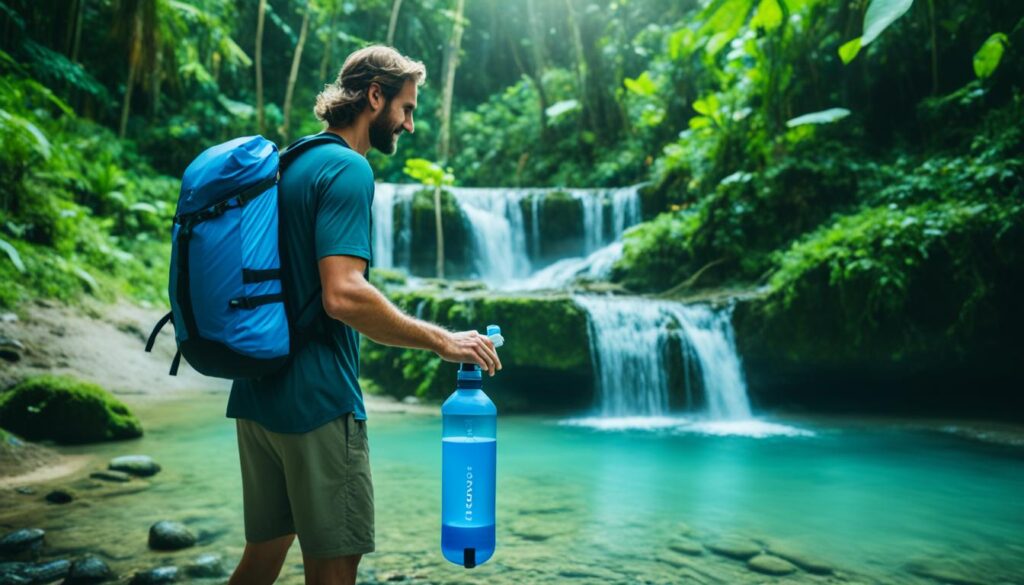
375	97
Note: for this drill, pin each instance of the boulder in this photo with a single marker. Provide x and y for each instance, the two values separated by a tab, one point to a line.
22	541
168	535
88	569
49	571
65	410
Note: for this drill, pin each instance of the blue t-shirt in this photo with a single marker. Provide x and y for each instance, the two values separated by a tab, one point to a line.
326	196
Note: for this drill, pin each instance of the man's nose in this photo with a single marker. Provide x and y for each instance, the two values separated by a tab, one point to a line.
409	125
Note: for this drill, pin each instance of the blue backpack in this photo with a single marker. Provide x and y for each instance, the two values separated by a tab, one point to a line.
228	307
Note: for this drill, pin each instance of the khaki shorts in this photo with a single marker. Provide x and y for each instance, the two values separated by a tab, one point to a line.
316	485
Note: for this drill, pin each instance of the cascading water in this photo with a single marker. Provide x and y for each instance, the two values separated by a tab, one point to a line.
386	197
503	252
629	342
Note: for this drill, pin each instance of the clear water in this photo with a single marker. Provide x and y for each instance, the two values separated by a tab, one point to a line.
577	504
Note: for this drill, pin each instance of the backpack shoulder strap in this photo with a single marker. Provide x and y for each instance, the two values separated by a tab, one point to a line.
305	143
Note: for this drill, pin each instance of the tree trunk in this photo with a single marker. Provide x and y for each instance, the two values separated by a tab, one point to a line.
76	41
396	6
294	73
451	64
935	48
539	63
134	58
581	66
260	14
440	233
329	45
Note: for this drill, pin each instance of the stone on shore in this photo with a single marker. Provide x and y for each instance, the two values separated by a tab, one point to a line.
205	566
22	541
740	549
138	465
88	569
156	576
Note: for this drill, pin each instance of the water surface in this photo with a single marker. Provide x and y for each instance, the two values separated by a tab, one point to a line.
581	504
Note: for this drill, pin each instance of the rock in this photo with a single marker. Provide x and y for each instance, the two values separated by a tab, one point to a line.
809	564
770	565
168	535
138	465
25	490
410	400
206	565
65	410
10	349
156	576
687	547
107	475
8	318
21	541
740	549
49	571
88	569
14	573
59	496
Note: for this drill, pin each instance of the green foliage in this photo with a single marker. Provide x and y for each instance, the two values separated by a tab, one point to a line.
428	173
65	410
878	17
987	59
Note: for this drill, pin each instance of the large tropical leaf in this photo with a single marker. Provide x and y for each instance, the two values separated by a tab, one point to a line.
823	117
12	253
987	59
880	14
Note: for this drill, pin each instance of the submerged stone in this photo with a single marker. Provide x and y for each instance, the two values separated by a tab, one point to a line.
687	547
206	565
805	562
21	541
108	475
156	576
59	496
88	569
49	571
770	565
735	548
168	535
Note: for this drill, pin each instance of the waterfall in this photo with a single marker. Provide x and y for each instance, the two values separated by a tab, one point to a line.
503	252
497	228
387	196
629	345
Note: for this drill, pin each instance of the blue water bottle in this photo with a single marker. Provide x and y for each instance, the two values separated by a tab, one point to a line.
468	453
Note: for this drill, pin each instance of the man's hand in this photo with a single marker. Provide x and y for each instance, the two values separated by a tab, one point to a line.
472	348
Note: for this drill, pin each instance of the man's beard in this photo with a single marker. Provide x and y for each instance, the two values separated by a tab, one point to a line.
383	136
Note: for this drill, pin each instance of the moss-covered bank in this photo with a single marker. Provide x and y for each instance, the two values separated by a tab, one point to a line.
65	410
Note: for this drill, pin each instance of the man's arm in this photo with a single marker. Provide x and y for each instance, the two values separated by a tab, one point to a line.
349	298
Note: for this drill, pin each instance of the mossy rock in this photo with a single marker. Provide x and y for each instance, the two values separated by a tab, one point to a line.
65	410
546	363
458	241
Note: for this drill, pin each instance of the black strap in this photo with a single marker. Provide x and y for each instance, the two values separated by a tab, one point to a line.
184	294
175	363
253	302
303	144
250	275
159	325
240	198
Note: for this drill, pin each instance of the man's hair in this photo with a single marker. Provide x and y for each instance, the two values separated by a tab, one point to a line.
340	102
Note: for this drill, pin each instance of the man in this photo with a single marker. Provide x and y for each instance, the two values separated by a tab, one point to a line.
302	432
